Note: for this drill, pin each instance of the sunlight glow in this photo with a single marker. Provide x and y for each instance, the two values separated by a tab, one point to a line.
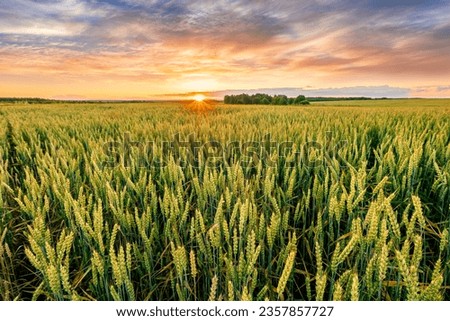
199	97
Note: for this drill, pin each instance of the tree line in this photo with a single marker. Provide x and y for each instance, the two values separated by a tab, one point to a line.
341	98
21	100
25	100
264	99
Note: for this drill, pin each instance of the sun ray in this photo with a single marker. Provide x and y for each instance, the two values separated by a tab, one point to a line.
199	97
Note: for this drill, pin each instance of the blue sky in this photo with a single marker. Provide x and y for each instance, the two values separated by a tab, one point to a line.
143	49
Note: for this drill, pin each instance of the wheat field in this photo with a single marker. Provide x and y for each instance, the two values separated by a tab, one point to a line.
99	201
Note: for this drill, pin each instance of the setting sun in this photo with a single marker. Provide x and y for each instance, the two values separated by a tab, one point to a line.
199	97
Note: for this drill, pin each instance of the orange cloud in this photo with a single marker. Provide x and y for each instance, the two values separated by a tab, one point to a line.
134	48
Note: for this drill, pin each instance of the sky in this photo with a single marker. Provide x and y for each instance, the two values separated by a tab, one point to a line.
148	49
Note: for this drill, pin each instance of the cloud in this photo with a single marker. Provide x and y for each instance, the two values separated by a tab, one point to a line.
356	91
361	91
389	4
440	91
226	44
47	18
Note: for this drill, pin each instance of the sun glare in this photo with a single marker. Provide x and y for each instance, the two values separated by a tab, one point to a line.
199	97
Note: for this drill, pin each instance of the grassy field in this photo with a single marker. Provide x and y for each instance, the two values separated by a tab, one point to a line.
169	201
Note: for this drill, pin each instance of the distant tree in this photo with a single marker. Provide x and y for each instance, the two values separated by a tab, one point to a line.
265	101
283	100
299	99
246	99
280	100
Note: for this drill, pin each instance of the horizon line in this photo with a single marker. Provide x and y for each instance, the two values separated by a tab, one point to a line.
3	99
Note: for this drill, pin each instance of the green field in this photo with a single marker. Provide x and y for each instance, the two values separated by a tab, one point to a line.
160	201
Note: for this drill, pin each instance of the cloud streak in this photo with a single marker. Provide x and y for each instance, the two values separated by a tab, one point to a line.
161	47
